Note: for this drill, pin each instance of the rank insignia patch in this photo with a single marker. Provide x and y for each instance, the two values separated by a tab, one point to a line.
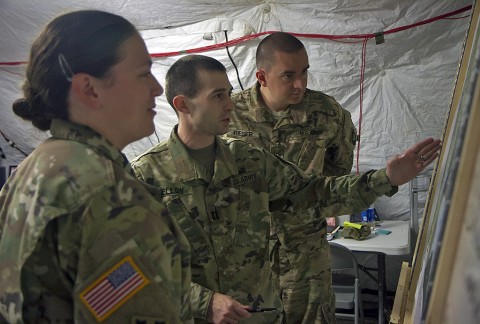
113	288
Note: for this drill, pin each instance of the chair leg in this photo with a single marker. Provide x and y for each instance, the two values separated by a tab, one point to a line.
356	304
360	306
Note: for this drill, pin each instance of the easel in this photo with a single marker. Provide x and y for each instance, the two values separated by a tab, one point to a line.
423	290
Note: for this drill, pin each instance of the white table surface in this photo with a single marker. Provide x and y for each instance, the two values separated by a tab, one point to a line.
395	243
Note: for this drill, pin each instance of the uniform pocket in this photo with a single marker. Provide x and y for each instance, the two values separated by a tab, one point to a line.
312	156
200	247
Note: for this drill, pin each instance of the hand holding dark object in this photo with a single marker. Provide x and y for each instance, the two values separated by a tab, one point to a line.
225	309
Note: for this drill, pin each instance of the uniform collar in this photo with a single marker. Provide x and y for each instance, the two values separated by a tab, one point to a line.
261	111
186	167
62	129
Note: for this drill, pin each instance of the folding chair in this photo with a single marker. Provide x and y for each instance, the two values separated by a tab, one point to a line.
346	283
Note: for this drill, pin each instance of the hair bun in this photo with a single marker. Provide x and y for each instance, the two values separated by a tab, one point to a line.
23	108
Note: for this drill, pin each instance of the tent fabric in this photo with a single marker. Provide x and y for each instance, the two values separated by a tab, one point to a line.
408	80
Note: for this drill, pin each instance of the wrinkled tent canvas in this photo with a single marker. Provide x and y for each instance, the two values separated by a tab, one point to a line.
408	79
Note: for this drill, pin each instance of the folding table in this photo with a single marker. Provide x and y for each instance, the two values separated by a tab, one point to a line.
395	243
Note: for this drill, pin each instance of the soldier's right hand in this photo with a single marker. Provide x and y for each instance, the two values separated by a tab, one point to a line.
402	168
224	309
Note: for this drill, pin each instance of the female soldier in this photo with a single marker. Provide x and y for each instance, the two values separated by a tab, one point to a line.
81	240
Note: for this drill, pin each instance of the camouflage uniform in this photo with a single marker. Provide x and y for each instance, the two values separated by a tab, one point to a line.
319	137
227	218
74	221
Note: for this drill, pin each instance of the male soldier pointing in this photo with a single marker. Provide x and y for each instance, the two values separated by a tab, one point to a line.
311	130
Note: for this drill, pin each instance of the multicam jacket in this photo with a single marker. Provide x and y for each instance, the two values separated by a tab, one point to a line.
317	134
82	240
227	219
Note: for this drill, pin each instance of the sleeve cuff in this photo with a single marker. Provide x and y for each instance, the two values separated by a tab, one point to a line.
380	184
200	298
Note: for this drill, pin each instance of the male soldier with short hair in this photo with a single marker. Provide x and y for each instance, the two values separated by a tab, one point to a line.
311	130
221	193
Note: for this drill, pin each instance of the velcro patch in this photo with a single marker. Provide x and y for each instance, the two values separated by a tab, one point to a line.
310	132
113	288
244	133
243	178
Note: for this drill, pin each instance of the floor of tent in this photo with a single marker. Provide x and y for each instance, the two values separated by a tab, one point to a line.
370	308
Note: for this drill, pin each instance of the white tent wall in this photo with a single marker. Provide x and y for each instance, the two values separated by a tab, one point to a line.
409	79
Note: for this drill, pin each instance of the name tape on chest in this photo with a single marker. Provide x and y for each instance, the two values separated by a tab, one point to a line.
310	132
299	133
244	133
243	178
172	191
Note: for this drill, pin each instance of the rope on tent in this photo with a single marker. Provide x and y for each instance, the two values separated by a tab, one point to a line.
12	144
326	36
363	38
362	78
379	37
233	62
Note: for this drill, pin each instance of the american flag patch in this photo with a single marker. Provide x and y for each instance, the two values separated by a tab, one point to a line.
113	288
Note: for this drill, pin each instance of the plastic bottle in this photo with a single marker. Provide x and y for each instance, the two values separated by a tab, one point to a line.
368	217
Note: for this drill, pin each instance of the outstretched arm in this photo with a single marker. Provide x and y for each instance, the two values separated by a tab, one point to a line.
404	167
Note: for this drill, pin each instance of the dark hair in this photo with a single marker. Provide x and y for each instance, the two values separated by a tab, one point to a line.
276	42
82	41
182	76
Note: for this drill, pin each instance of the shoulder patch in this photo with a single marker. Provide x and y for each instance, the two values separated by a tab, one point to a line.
113	288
